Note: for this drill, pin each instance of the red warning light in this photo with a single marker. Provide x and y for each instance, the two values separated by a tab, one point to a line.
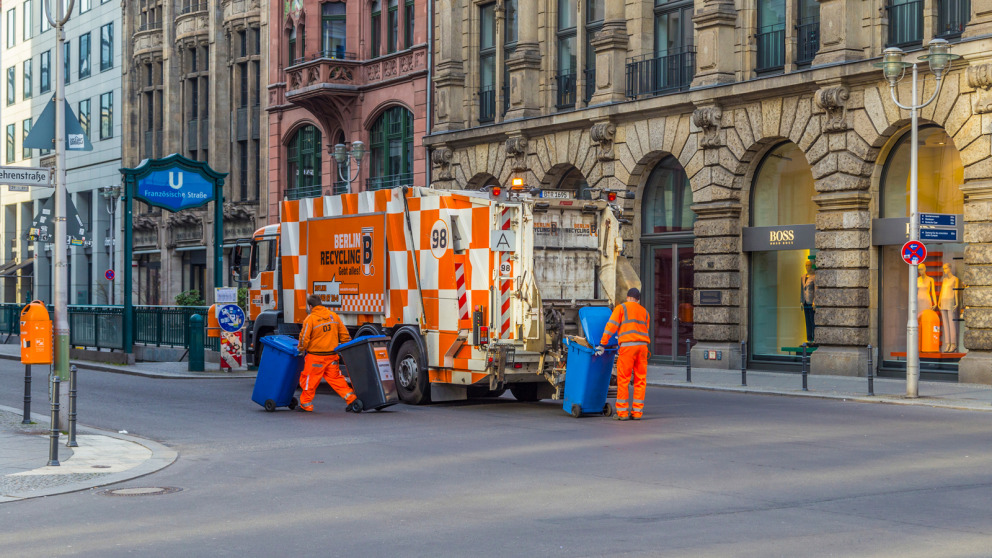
612	196
496	190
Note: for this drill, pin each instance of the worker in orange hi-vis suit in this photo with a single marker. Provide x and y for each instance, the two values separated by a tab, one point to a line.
629	323
322	332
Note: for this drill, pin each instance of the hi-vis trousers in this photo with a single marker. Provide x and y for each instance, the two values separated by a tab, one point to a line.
632	360
316	367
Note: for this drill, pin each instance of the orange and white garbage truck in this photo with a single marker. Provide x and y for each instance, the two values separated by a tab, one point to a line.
476	291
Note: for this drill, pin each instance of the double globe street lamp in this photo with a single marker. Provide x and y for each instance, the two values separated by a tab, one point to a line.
343	156
893	68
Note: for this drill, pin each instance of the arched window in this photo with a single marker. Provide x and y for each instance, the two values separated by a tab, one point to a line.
940	175
783	188
667	197
391	150
303	164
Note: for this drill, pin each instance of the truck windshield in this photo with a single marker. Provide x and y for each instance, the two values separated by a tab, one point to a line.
262	257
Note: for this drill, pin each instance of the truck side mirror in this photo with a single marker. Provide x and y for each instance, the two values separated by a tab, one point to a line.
236	259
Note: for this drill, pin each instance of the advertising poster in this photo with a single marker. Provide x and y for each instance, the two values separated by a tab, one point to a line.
346	259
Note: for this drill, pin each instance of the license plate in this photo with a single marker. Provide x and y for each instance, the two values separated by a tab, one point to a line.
557	194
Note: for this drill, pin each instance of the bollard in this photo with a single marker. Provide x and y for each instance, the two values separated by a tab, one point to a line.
27	395
743	363
195	343
805	368
871	373
688	361
72	408
53	445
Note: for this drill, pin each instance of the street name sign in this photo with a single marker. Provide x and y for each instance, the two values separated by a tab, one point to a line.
26	176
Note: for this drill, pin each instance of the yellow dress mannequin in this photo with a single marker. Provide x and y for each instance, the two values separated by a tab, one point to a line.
949	304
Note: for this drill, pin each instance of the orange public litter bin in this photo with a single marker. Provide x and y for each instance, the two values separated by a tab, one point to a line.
36	334
929	332
213	324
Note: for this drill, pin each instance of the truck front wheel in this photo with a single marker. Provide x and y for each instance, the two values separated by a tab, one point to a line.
412	383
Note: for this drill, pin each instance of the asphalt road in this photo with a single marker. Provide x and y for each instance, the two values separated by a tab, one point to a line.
706	474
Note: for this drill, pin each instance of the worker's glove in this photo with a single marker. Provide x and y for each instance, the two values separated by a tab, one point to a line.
599	350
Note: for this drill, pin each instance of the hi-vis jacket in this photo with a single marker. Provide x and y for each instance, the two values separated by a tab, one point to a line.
629	322
322	332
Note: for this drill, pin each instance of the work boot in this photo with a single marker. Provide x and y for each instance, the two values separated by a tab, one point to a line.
302	409
635	416
618	416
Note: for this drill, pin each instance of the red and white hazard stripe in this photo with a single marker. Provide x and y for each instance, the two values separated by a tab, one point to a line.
462	295
505	286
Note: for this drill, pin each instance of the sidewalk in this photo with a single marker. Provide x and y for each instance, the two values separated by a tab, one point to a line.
102	458
951	395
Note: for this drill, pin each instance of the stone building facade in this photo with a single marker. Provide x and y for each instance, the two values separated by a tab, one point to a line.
756	138
345	72
194	83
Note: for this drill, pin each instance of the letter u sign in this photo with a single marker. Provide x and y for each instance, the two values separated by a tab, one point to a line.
173	182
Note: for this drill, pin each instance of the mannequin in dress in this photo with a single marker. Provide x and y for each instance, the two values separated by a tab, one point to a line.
926	291
949	304
808	293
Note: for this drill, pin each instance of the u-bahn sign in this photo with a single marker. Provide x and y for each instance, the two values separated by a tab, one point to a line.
175	183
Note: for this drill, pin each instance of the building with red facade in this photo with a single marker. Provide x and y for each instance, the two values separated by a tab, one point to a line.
341	72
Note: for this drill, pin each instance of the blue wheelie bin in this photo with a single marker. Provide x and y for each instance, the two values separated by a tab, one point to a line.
278	373
367	361
587	376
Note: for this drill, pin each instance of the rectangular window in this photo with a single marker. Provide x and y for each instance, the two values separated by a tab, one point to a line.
85	6
11	89
243	71
25	130
292	47
393	25
106	116
46	71
107	47
66	57
243	168
565	77
258	83
10	142
256	40
11	27
376	41
243	41
27	79
333	30
84	116
409	19
84	56
28	14
487	62
45	26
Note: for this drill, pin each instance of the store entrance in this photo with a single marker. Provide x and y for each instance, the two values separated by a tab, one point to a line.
668	297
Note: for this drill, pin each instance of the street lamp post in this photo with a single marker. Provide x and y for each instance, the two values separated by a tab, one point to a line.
343	156
894	69
112	194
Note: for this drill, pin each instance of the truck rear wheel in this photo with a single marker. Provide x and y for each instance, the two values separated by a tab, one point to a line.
412	383
525	392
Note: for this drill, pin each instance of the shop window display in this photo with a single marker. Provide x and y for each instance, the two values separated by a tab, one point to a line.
939	288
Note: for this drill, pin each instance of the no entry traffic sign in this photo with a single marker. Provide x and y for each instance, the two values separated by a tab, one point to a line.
914	252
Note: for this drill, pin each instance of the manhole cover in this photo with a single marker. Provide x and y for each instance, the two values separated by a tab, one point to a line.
142	491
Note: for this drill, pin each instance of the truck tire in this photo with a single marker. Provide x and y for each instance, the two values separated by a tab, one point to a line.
412	384
525	392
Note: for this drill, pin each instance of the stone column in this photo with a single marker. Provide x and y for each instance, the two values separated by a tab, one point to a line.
841	34
981	20
449	77
715	43
610	43
841	169
976	366
524	65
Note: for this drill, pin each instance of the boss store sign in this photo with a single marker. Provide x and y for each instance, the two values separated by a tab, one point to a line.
788	237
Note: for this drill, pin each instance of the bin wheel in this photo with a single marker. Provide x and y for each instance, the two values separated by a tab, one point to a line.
356	406
270	405
607	410
292	404
576	410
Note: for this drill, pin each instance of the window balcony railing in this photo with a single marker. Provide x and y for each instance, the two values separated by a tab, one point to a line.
589	75
952	17
487	104
389	181
807	40
192	8
300	192
341	187
654	75
150	26
565	98
905	24
771	48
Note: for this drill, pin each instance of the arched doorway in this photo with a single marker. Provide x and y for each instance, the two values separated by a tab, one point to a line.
783	259
940	278
667	258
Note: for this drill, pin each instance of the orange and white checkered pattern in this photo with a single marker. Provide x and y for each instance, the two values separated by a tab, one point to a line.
450	282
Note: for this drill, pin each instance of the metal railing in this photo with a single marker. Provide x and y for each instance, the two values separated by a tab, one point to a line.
653	75
487	104
341	187
300	192
952	17
565	95
201	7
807	40
589	76
771	48
324	55
389	181
150	26
905	24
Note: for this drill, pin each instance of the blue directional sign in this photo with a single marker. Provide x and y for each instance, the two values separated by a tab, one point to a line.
230	317
940	235
938	219
175	189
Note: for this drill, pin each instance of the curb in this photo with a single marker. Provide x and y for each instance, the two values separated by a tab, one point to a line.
161	458
87	365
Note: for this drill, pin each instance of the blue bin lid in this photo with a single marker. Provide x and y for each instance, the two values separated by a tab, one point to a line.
284	343
361	340
593	320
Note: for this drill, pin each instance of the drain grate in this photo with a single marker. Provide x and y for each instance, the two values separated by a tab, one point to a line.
142	491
